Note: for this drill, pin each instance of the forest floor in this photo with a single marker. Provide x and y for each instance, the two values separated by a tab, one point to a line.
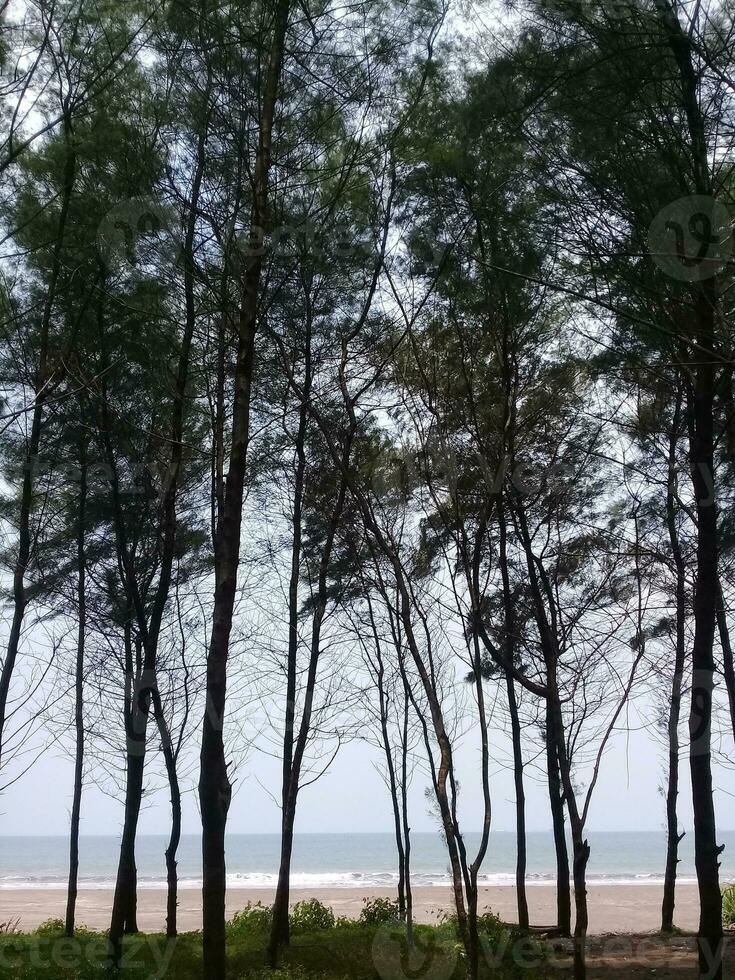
350	951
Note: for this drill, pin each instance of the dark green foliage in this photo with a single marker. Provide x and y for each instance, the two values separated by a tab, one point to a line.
311	916
377	910
728	907
345	953
254	920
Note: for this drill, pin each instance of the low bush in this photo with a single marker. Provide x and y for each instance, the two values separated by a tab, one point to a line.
254	919
51	927
378	910
311	916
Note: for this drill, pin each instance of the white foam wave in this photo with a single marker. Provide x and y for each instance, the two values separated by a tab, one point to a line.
315	881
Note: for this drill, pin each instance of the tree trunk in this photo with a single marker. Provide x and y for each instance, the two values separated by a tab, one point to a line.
581	852
700	718
672	792
280	934
523	919
124	904
701	459
580	847
515	727
404	814
40	393
79	699
169	757
215	791
280	908
728	668
556	801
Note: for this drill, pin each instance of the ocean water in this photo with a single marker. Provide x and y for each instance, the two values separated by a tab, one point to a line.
343	860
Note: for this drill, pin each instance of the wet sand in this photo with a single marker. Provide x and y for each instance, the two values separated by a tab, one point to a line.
613	908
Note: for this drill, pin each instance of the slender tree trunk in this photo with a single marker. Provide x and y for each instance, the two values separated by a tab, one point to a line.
280	934
581	851
404	813
557	756
728	668
378	668
294	781
123	920
672	823
215	791
169	757
700	718
580	847
214	786
701	458
515	726
124	904
79	698
556	801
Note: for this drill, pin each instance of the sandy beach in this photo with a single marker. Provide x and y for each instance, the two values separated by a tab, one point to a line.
613	908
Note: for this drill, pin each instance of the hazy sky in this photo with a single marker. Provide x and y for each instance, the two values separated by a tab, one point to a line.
352	796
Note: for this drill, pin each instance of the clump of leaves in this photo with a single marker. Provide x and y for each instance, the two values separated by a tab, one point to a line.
311	916
254	919
728	907
289	972
378	910
50	927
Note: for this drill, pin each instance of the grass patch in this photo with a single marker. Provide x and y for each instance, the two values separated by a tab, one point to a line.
321	949
728	907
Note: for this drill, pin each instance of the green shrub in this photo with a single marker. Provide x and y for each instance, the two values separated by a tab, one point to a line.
51	927
287	973
254	919
311	916
728	906
377	910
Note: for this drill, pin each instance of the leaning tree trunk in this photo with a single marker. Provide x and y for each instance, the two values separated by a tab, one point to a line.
278	937
76	808
728	668
40	393
673	838
215	791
